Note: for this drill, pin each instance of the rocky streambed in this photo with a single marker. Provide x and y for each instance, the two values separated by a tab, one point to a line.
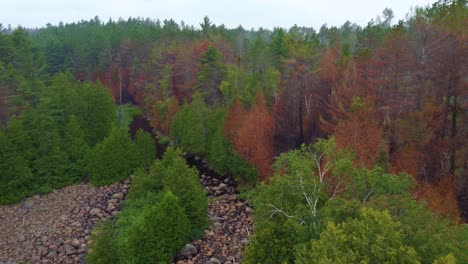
231	227
55	227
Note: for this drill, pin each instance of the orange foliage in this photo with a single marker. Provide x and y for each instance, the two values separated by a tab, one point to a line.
440	197
361	134
254	139
406	160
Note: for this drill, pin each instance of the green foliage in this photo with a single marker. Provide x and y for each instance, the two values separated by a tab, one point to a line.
371	237
286	208
171	173
367	183
103	246
126	113
272	244
447	259
145	151
278	48
15	176
112	158
189	127
161	232
297	214
98	114
429	234
49	158
212	72
76	148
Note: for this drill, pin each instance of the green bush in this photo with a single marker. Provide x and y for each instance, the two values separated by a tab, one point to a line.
103	247
189	127
372	237
160	234
173	174
113	158
145	152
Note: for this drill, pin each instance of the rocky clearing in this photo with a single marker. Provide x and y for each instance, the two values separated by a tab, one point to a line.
55	227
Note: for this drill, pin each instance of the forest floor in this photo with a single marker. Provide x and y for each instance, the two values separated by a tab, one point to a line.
55	227
231	226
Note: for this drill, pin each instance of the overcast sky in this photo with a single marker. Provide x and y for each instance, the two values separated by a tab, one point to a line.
248	13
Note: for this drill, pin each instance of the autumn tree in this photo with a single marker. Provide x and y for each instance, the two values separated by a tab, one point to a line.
254	141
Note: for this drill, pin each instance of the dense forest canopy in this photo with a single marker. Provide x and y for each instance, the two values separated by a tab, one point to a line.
391	98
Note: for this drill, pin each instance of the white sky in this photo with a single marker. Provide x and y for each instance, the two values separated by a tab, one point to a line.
253	13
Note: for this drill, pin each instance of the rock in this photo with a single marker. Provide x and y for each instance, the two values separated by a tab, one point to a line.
188	251
249	210
217	224
210	234
75	243
222	186
180	262
111	207
35	259
215	261
52	254
113	201
95	211
117	196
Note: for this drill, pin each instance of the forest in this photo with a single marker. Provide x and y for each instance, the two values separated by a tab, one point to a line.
349	142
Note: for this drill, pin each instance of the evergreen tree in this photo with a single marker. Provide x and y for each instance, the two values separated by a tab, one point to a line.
76	147
189	127
15	174
99	113
145	151
160	234
212	72
104	245
49	159
171	173
112	159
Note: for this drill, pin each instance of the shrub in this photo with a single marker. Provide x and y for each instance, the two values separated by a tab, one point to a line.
162	232
112	158
145	151
372	237
173	174
103	248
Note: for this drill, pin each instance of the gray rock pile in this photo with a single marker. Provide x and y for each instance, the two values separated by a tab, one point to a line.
55	228
230	230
